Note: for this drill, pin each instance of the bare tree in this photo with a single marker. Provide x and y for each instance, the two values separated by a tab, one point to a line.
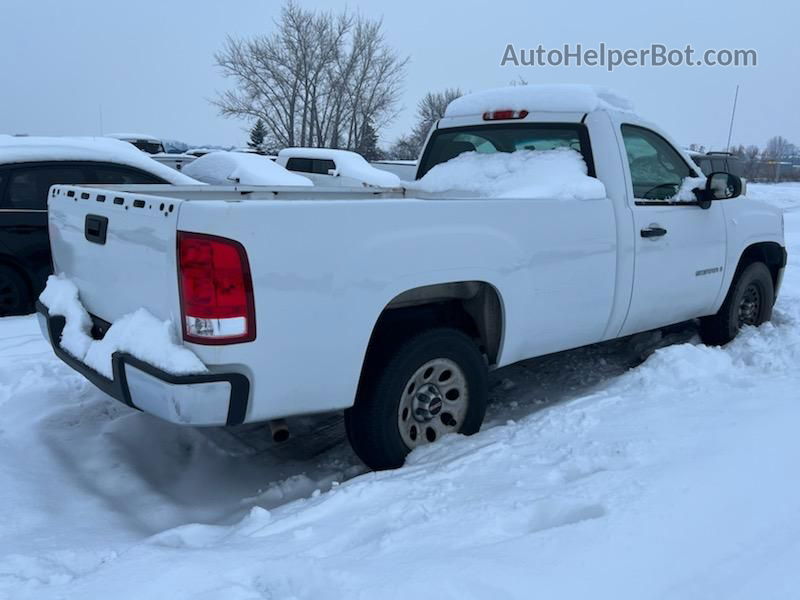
778	147
430	109
319	80
777	151
750	158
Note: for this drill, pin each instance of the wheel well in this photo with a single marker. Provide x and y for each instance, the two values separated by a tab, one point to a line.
6	261
769	253
471	306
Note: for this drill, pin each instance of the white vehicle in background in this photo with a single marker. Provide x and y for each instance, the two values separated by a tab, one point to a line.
406	170
329	167
241	168
569	221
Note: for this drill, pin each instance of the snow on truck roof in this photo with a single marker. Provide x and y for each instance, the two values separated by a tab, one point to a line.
539	98
102	149
226	168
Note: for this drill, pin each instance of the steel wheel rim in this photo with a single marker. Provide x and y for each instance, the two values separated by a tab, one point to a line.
434	402
750	305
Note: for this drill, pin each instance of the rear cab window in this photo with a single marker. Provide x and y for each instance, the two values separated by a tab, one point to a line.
446	144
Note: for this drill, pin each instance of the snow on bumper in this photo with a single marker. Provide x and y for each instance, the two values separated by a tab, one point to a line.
198	399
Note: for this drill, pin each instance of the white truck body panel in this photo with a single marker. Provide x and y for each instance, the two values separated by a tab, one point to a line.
326	263
141	241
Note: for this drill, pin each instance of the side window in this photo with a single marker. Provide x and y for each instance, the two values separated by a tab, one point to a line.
657	169
322	166
302	165
28	186
117	175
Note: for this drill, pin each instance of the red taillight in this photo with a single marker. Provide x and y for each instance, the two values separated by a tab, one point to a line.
216	290
499	115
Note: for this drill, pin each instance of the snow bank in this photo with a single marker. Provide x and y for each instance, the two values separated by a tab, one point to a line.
35	148
539	98
139	333
783	195
674	478
348	164
228	168
538	174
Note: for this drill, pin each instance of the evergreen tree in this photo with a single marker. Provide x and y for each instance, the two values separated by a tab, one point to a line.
368	145
257	134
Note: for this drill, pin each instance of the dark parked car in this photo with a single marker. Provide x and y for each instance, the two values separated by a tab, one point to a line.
712	162
28	167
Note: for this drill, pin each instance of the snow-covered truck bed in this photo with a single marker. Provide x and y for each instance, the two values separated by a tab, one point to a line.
544	219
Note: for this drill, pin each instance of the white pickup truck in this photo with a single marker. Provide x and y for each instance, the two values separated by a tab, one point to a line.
393	304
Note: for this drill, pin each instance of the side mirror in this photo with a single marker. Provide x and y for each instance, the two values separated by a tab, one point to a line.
720	186
333	172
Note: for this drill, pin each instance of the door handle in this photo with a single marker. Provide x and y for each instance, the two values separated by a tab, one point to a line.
651	232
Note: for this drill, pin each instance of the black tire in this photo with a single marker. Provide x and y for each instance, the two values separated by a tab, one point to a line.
15	295
373	425
749	302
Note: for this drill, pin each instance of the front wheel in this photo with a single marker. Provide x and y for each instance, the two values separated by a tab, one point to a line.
749	302
433	384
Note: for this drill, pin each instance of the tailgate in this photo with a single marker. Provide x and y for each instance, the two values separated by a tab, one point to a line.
119	248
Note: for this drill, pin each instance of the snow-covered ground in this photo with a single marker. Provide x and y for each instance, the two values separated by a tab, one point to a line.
596	476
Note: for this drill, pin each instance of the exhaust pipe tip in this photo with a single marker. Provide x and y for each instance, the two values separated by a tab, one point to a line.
279	430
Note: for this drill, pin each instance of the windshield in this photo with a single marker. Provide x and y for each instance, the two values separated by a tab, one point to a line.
446	144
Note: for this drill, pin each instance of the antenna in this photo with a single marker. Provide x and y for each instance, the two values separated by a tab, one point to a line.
733	114
100	107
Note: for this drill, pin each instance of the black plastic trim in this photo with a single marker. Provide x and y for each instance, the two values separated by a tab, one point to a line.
117	388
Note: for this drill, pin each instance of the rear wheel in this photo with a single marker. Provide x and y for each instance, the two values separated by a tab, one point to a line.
15	297
749	302
433	384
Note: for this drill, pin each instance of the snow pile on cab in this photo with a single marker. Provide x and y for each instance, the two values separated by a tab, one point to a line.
348	164
539	98
139	333
685	191
35	148
226	168
536	174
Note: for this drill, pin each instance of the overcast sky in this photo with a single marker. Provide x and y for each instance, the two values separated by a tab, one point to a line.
148	65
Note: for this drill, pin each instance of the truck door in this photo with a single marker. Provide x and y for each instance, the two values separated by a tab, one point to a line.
679	248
